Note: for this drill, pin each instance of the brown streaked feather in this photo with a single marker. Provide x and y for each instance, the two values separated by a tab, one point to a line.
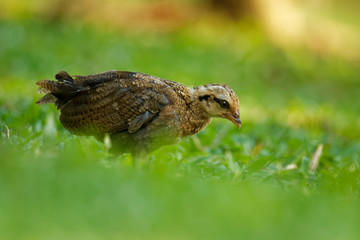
48	98
105	103
139	121
63	76
138	111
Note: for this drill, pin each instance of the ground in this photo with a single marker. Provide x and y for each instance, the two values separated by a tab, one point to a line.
226	183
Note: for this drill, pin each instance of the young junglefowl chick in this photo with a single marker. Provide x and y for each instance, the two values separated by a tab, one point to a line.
138	111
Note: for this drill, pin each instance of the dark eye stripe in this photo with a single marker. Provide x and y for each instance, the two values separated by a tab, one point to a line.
206	97
223	103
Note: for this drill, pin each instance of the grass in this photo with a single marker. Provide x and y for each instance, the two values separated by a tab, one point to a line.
224	184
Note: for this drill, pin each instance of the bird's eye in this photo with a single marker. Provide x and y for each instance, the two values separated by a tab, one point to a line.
223	103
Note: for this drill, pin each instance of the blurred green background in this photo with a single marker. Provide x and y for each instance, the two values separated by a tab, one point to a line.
295	66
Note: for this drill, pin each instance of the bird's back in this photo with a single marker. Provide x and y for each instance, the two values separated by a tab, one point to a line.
109	102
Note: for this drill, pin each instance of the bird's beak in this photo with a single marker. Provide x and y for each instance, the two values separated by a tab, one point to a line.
235	118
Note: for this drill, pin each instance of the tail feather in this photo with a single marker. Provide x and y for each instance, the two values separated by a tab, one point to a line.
63	76
43	90
57	88
48	98
62	89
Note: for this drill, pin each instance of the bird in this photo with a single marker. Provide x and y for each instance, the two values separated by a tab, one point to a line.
138	111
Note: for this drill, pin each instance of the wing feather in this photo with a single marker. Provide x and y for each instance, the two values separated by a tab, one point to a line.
115	104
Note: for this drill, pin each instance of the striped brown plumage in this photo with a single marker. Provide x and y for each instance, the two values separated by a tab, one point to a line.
138	111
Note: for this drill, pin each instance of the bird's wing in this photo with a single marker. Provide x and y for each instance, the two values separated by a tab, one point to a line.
109	102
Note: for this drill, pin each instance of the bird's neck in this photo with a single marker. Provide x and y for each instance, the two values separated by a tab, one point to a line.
194	123
195	118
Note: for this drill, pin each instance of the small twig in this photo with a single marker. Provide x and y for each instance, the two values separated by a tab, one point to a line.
107	142
315	159
291	166
6	132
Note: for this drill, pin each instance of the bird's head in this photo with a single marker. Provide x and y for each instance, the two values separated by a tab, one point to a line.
219	101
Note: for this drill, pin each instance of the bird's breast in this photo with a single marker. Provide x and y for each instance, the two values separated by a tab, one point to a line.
192	124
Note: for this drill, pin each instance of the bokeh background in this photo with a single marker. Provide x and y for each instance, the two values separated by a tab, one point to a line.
295	66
